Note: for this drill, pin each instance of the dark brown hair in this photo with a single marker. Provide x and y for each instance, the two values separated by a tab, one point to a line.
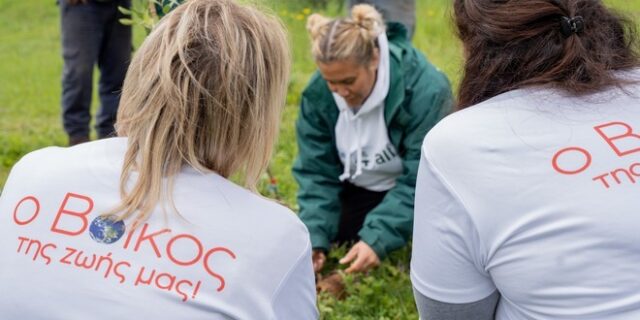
512	44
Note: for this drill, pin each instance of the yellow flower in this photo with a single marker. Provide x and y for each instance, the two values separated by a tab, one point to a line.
299	17
431	13
306	11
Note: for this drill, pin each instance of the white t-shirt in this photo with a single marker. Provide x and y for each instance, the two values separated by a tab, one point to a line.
231	255
537	195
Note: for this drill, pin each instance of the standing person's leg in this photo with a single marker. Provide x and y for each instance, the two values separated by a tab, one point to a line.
403	11
113	60
81	38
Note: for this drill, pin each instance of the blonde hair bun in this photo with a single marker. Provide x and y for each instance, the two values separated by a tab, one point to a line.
344	39
368	18
315	23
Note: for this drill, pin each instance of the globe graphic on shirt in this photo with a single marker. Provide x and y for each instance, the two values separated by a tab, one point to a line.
106	229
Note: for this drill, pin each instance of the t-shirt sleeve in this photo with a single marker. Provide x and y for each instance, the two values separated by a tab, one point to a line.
296	296
448	257
21	176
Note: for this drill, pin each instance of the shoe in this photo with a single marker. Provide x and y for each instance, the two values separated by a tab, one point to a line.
106	136
78	140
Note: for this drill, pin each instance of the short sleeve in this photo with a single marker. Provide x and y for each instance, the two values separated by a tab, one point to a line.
296	296
21	175
447	260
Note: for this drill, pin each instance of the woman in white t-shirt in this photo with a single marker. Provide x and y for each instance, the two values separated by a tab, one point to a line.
527	201
147	225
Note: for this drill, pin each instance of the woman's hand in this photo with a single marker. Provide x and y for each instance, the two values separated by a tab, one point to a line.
363	257
318	258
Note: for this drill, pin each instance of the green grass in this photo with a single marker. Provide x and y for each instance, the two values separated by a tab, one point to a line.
30	71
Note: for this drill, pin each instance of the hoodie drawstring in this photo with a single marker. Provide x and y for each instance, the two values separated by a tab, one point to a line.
359	150
347	167
346	174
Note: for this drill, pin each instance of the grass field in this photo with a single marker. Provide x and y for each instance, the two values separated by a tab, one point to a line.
30	71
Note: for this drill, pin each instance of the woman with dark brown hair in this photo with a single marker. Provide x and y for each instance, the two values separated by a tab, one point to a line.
527	198
148	225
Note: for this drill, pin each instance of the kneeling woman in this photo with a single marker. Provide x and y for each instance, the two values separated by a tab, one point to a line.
362	120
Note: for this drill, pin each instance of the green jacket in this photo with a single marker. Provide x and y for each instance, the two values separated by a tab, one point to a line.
419	96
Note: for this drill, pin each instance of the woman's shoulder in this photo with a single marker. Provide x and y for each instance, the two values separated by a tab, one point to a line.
418	73
32	163
317	99
475	124
59	159
261	210
316	88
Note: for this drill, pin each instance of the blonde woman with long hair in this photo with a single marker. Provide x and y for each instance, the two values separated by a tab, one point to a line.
148	225
362	119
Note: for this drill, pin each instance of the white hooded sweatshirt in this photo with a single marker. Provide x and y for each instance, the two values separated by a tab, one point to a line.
370	160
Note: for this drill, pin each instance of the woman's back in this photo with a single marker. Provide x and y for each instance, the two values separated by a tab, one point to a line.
230	253
148	225
535	194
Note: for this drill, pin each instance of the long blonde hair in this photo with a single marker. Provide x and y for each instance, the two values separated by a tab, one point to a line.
346	38
205	89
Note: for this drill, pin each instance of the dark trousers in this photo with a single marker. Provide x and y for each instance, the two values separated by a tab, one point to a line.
356	204
92	34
